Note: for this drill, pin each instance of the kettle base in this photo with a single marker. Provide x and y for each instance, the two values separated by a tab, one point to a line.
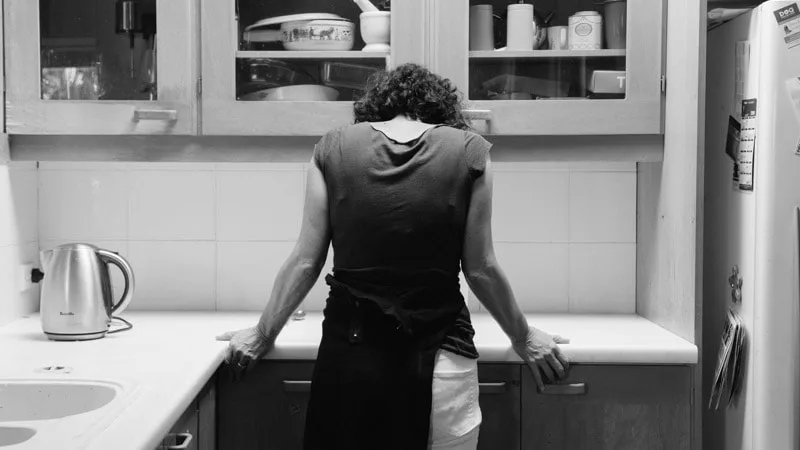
75	337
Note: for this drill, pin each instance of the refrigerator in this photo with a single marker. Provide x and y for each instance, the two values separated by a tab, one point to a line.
751	214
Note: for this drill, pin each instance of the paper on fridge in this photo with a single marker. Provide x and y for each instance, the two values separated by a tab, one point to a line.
793	90
788	18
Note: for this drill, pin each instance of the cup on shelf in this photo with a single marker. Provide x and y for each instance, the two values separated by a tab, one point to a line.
520	27
586	31
557	38
376	30
615	14
481	27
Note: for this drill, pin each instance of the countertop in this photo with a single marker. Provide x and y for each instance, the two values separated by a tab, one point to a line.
163	363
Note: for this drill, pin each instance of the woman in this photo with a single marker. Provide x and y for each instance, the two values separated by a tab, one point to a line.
405	196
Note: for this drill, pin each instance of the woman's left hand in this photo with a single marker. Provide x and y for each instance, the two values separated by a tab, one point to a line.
246	348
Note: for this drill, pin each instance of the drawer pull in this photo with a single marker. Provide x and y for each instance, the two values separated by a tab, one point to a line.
296	386
492	388
477	114
167	115
564	389
182	441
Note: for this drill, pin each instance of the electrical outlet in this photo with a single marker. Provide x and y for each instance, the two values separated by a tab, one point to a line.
24	281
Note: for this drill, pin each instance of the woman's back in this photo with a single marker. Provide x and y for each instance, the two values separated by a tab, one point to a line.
399	206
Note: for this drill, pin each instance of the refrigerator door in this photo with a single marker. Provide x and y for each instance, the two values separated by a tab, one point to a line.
729	223
776	348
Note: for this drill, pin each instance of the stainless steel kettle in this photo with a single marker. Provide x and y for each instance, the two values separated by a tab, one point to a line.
76	296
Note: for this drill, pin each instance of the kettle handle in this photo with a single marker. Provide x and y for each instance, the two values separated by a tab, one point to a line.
127	272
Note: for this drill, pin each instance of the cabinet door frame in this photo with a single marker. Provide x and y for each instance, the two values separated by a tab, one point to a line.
639	113
222	114
177	50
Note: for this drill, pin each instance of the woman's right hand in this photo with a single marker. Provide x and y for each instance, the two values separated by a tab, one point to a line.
541	353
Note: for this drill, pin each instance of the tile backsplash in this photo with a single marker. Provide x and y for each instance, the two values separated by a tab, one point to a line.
18	239
214	235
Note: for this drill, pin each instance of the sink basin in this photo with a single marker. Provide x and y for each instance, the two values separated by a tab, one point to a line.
28	400
14	435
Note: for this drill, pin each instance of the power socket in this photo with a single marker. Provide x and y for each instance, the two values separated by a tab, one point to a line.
24	281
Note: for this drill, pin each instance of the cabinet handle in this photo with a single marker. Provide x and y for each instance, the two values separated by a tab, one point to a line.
477	114
182	441
564	389
492	388
167	115
296	386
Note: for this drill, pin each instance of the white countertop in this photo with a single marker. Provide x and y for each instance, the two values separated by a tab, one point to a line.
166	359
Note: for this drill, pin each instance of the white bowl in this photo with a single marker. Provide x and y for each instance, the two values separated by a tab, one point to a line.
376	30
295	93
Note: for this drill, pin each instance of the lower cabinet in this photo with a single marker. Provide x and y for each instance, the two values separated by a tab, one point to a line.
196	428
266	410
500	406
610	408
598	408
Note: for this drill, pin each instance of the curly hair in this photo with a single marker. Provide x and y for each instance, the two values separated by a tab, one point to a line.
414	91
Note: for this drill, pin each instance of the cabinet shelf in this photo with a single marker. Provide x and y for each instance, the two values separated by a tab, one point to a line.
326	55
547	54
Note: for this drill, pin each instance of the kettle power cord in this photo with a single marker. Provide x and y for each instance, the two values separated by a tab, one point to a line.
125	327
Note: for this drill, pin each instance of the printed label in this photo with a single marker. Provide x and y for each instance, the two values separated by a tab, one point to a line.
788	19
745	156
749	108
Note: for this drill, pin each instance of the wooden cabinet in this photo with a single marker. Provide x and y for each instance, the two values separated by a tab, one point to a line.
73	69
550	92
500	406
610	408
265	410
242	74
196	428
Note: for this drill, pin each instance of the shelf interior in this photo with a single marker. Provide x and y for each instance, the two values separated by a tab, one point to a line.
320	55
547	54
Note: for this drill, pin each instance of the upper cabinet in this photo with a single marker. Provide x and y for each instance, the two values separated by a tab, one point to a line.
101	66
561	67
293	68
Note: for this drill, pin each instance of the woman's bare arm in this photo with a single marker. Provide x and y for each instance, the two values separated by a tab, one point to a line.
484	275
301	270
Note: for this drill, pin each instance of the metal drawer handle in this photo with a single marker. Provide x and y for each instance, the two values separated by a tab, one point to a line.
477	114
492	388
296	386
167	115
564	389
182	441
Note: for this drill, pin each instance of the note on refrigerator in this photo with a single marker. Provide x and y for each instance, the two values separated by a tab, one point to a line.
788	18
728	374
745	157
740	76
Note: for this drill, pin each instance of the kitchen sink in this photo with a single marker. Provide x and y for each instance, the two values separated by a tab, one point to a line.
14	435
22	401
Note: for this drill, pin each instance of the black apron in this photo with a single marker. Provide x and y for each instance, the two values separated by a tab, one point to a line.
371	387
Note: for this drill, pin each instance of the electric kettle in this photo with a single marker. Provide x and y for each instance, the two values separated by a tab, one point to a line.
76	301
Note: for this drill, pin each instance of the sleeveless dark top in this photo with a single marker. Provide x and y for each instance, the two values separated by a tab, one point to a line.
397	214
402	206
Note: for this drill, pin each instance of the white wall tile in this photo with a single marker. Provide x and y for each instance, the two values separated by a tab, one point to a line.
602	207
259	205
172	205
529	166
82	165
83	204
246	272
538	273
602	278
19	199
15	301
173	275
180	166
530	207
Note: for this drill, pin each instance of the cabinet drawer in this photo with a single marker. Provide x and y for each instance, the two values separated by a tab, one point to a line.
609	407
184	434
266	409
500	406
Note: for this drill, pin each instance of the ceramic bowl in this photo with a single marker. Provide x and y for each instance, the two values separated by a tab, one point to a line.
328	34
376	30
294	93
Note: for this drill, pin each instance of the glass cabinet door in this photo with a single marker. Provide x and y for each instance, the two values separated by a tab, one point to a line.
101	66
554	66
274	67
